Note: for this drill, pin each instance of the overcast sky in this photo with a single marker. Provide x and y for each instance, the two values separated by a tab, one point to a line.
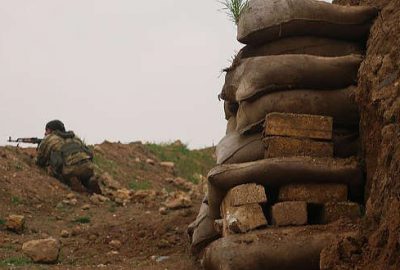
118	70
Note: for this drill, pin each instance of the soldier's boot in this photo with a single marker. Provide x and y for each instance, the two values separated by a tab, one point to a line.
76	185
94	186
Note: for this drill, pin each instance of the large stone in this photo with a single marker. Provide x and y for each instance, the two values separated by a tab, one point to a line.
241	219
288	146
313	193
42	251
289	213
245	194
15	223
299	125
335	211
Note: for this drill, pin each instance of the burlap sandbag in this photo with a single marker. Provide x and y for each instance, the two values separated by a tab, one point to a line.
269	20
338	104
201	232
267	74
236	148
252	77
232	79
278	172
303	45
274	248
230	109
231	125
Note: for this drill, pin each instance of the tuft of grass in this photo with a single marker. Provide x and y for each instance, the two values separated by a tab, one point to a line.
234	8
105	164
139	185
189	164
15	200
82	220
2	221
15	261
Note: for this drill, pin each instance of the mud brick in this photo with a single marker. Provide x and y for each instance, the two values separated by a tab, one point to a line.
334	211
289	213
245	194
241	219
298	125
289	146
314	193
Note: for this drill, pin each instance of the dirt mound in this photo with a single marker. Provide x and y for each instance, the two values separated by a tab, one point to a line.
378	246
147	231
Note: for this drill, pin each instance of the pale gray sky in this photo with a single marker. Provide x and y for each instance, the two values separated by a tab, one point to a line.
121	70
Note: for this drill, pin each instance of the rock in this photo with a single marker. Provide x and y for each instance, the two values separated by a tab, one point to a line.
150	161
76	230
178	200
85	207
142	195
137	160
244	218
289	213
314	193
163	210
107	181
245	194
71	196
65	234
112	253
115	244
123	196
42	251
98	199
15	223
170	166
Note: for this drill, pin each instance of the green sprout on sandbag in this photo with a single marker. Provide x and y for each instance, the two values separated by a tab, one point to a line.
234	8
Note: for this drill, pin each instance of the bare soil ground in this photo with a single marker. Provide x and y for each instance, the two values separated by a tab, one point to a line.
144	233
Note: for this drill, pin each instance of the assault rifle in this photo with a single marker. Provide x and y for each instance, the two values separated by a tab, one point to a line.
33	140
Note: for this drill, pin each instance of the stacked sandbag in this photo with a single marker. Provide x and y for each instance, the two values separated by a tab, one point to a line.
300	61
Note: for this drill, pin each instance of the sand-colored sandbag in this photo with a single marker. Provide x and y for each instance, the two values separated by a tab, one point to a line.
267	74
201	232
338	104
236	148
264	20
283	249
232	79
231	125
279	172
230	109
303	45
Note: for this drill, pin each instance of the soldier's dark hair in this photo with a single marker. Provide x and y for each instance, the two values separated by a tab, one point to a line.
56	125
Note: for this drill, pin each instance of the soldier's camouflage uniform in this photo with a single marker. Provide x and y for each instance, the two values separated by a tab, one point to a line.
66	156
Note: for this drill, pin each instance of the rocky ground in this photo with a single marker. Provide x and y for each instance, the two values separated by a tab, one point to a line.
140	223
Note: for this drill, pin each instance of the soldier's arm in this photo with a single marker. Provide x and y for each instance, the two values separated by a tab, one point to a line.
43	153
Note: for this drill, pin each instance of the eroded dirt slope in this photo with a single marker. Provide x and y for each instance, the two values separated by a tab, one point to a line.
110	235
378	246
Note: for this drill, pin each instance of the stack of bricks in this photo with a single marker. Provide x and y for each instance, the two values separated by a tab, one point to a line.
242	210
288	135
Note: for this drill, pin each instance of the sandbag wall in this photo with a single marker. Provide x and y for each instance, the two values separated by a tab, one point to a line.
301	57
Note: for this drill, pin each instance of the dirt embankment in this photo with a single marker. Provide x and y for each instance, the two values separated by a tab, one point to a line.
378	95
128	234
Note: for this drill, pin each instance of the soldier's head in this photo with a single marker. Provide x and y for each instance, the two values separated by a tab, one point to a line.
55	125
